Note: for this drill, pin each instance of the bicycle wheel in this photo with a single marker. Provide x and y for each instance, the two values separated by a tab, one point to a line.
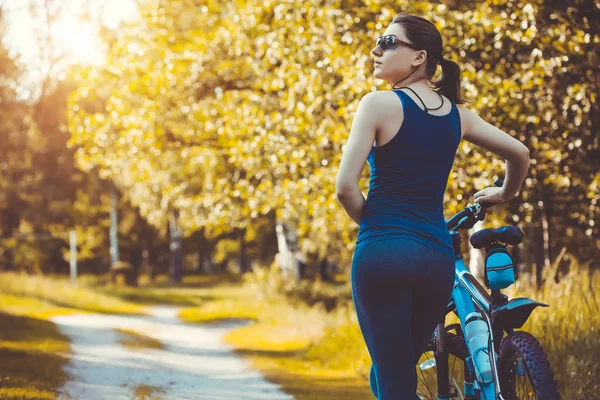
428	372
524	370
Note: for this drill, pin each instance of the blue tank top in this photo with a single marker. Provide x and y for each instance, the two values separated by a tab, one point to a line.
408	177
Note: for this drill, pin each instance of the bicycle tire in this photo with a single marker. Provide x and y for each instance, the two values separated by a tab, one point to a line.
522	345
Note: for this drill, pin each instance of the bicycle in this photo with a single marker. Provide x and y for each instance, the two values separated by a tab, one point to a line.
517	368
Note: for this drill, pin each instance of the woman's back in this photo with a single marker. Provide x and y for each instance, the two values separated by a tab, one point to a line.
408	178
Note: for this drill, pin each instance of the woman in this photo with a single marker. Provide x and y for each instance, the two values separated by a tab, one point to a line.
403	263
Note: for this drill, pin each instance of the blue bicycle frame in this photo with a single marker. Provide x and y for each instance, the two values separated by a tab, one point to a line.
469	296
466	294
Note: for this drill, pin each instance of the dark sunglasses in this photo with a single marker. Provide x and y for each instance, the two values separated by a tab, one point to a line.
389	42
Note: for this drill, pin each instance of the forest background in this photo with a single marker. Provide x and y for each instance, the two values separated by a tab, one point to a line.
209	134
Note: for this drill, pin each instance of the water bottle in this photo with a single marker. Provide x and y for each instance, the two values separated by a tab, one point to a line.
477	334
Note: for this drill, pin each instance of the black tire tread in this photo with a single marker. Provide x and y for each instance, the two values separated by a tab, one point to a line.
536	363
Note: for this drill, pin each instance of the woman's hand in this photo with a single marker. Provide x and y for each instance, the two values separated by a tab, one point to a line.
491	195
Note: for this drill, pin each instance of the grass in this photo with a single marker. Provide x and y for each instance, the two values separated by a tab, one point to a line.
135	340
33	352
222	309
309	380
285	353
32	361
31	307
285	331
60	293
146	392
569	329
160	291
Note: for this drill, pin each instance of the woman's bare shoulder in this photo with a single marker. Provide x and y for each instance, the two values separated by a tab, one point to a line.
383	102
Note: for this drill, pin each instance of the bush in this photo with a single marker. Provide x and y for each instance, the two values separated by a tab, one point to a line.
268	283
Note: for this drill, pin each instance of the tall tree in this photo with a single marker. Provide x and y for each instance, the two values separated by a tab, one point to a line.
229	111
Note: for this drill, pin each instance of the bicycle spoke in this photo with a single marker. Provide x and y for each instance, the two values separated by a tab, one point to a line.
519	385
453	365
522	386
528	390
523	392
424	380
427	387
428	377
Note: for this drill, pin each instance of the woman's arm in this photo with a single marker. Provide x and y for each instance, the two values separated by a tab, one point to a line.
516	154
355	153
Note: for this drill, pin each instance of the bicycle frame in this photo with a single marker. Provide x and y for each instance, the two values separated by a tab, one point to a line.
468	296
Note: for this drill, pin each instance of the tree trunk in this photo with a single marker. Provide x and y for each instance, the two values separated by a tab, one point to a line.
136	263
282	258
518	264
287	241
205	261
243	261
175	247
114	228
538	243
146	267
476	261
546	237
202	250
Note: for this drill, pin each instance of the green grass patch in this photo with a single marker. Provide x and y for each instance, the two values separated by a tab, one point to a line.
287	345
149	295
280	340
33	352
146	392
309	380
32	361
31	307
283	354
194	290
136	340
61	293
221	310
569	329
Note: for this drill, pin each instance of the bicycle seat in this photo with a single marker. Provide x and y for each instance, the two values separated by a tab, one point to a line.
506	234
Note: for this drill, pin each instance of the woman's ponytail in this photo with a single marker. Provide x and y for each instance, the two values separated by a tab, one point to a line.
423	34
449	83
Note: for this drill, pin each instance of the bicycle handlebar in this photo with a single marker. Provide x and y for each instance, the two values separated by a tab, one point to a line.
471	214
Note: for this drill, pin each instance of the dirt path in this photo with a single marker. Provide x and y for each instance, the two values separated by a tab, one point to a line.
194	363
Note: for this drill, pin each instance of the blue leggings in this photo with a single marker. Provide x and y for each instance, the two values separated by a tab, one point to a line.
400	290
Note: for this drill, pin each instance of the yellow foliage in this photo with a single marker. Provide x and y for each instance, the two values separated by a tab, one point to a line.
231	110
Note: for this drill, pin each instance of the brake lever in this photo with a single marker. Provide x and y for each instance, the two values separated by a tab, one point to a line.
480	214
480	211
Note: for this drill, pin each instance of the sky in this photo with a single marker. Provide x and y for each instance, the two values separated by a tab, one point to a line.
76	40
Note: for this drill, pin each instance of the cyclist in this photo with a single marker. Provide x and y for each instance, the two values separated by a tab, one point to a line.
403	263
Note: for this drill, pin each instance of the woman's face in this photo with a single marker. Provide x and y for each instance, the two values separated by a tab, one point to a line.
395	64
